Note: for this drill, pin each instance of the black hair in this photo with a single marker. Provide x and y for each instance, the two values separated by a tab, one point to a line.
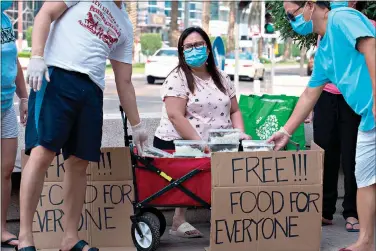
322	4
360	5
210	63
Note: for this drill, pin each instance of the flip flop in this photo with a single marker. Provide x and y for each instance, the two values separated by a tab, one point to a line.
80	246
345	249
183	230
351	230
31	248
6	244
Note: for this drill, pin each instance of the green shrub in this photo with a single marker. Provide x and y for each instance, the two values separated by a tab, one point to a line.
150	43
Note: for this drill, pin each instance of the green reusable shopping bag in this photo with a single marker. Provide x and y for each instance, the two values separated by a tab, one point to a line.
266	114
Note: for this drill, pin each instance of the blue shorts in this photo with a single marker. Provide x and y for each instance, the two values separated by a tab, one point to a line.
67	114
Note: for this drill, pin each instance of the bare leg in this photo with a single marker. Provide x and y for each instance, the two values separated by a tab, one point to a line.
8	158
179	218
31	187
74	197
366	200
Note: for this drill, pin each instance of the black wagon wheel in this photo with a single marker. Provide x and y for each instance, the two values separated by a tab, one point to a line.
158	216
148	238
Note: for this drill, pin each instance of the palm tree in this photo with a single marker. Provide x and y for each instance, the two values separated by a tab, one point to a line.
174	31
206	15
231	26
132	13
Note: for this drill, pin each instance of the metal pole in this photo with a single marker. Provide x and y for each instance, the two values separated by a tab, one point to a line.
20	25
272	59
186	14
236	73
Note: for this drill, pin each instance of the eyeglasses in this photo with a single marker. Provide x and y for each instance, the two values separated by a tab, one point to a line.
291	16
197	45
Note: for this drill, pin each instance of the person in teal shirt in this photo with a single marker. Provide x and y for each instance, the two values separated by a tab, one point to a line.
346	57
12	81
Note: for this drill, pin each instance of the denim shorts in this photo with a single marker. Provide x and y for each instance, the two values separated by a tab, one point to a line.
365	169
66	114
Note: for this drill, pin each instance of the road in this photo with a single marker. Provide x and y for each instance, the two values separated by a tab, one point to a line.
287	81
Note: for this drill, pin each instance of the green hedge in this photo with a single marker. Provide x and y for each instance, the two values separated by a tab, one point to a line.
24	54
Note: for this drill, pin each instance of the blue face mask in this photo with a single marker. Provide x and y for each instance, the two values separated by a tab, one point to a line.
196	57
6	4
301	26
338	4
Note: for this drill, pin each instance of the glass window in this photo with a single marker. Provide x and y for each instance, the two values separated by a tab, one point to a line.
242	56
167	13
192	6
167	53
167	4
152	10
180	13
152	2
192	15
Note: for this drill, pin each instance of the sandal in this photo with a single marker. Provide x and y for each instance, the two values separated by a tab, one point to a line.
6	244
351	230
183	230
31	248
345	249
80	246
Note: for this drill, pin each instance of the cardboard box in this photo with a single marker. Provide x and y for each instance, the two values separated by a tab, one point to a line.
105	218
115	165
267	201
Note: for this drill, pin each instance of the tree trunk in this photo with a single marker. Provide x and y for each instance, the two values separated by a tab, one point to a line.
302	60
132	13
260	47
288	47
174	30
231	28
206	16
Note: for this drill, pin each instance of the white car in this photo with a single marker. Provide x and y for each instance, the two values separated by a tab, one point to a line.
249	67
161	64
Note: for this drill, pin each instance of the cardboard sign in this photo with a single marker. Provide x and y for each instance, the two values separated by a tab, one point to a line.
115	165
105	218
267	201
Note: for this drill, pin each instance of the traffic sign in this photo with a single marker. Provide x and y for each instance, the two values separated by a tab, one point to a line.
219	53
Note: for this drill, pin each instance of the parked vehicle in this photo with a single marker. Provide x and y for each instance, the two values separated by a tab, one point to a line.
249	67
161	64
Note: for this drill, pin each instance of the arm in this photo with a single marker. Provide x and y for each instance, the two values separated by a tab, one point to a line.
236	115
302	109
176	113
20	83
366	46
21	93
126	92
49	12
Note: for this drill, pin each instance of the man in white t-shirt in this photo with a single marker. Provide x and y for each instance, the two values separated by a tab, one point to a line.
71	42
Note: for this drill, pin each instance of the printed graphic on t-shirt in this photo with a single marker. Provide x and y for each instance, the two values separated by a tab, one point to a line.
100	22
7	35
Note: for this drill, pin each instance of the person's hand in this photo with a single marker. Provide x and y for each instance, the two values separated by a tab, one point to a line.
309	119
23	110
244	136
280	139
35	71
140	137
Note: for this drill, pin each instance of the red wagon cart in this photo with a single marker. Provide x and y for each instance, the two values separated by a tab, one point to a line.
163	182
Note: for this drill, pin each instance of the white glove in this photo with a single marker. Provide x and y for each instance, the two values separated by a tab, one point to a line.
35	71
140	137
